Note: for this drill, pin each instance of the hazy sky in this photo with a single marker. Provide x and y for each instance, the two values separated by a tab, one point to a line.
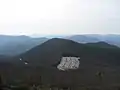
59	16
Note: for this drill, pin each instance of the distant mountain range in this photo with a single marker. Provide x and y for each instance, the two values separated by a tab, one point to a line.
15	45
91	38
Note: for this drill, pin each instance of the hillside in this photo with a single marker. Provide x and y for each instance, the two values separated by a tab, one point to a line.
54	48
42	58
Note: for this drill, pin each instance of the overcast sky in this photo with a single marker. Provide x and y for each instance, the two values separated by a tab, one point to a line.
59	17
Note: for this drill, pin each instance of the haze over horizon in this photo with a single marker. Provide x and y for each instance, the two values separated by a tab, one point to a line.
59	17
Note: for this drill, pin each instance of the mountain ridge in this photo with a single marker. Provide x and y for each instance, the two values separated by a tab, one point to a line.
91	38
64	46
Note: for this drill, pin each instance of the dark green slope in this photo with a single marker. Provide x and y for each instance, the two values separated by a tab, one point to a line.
50	52
93	58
